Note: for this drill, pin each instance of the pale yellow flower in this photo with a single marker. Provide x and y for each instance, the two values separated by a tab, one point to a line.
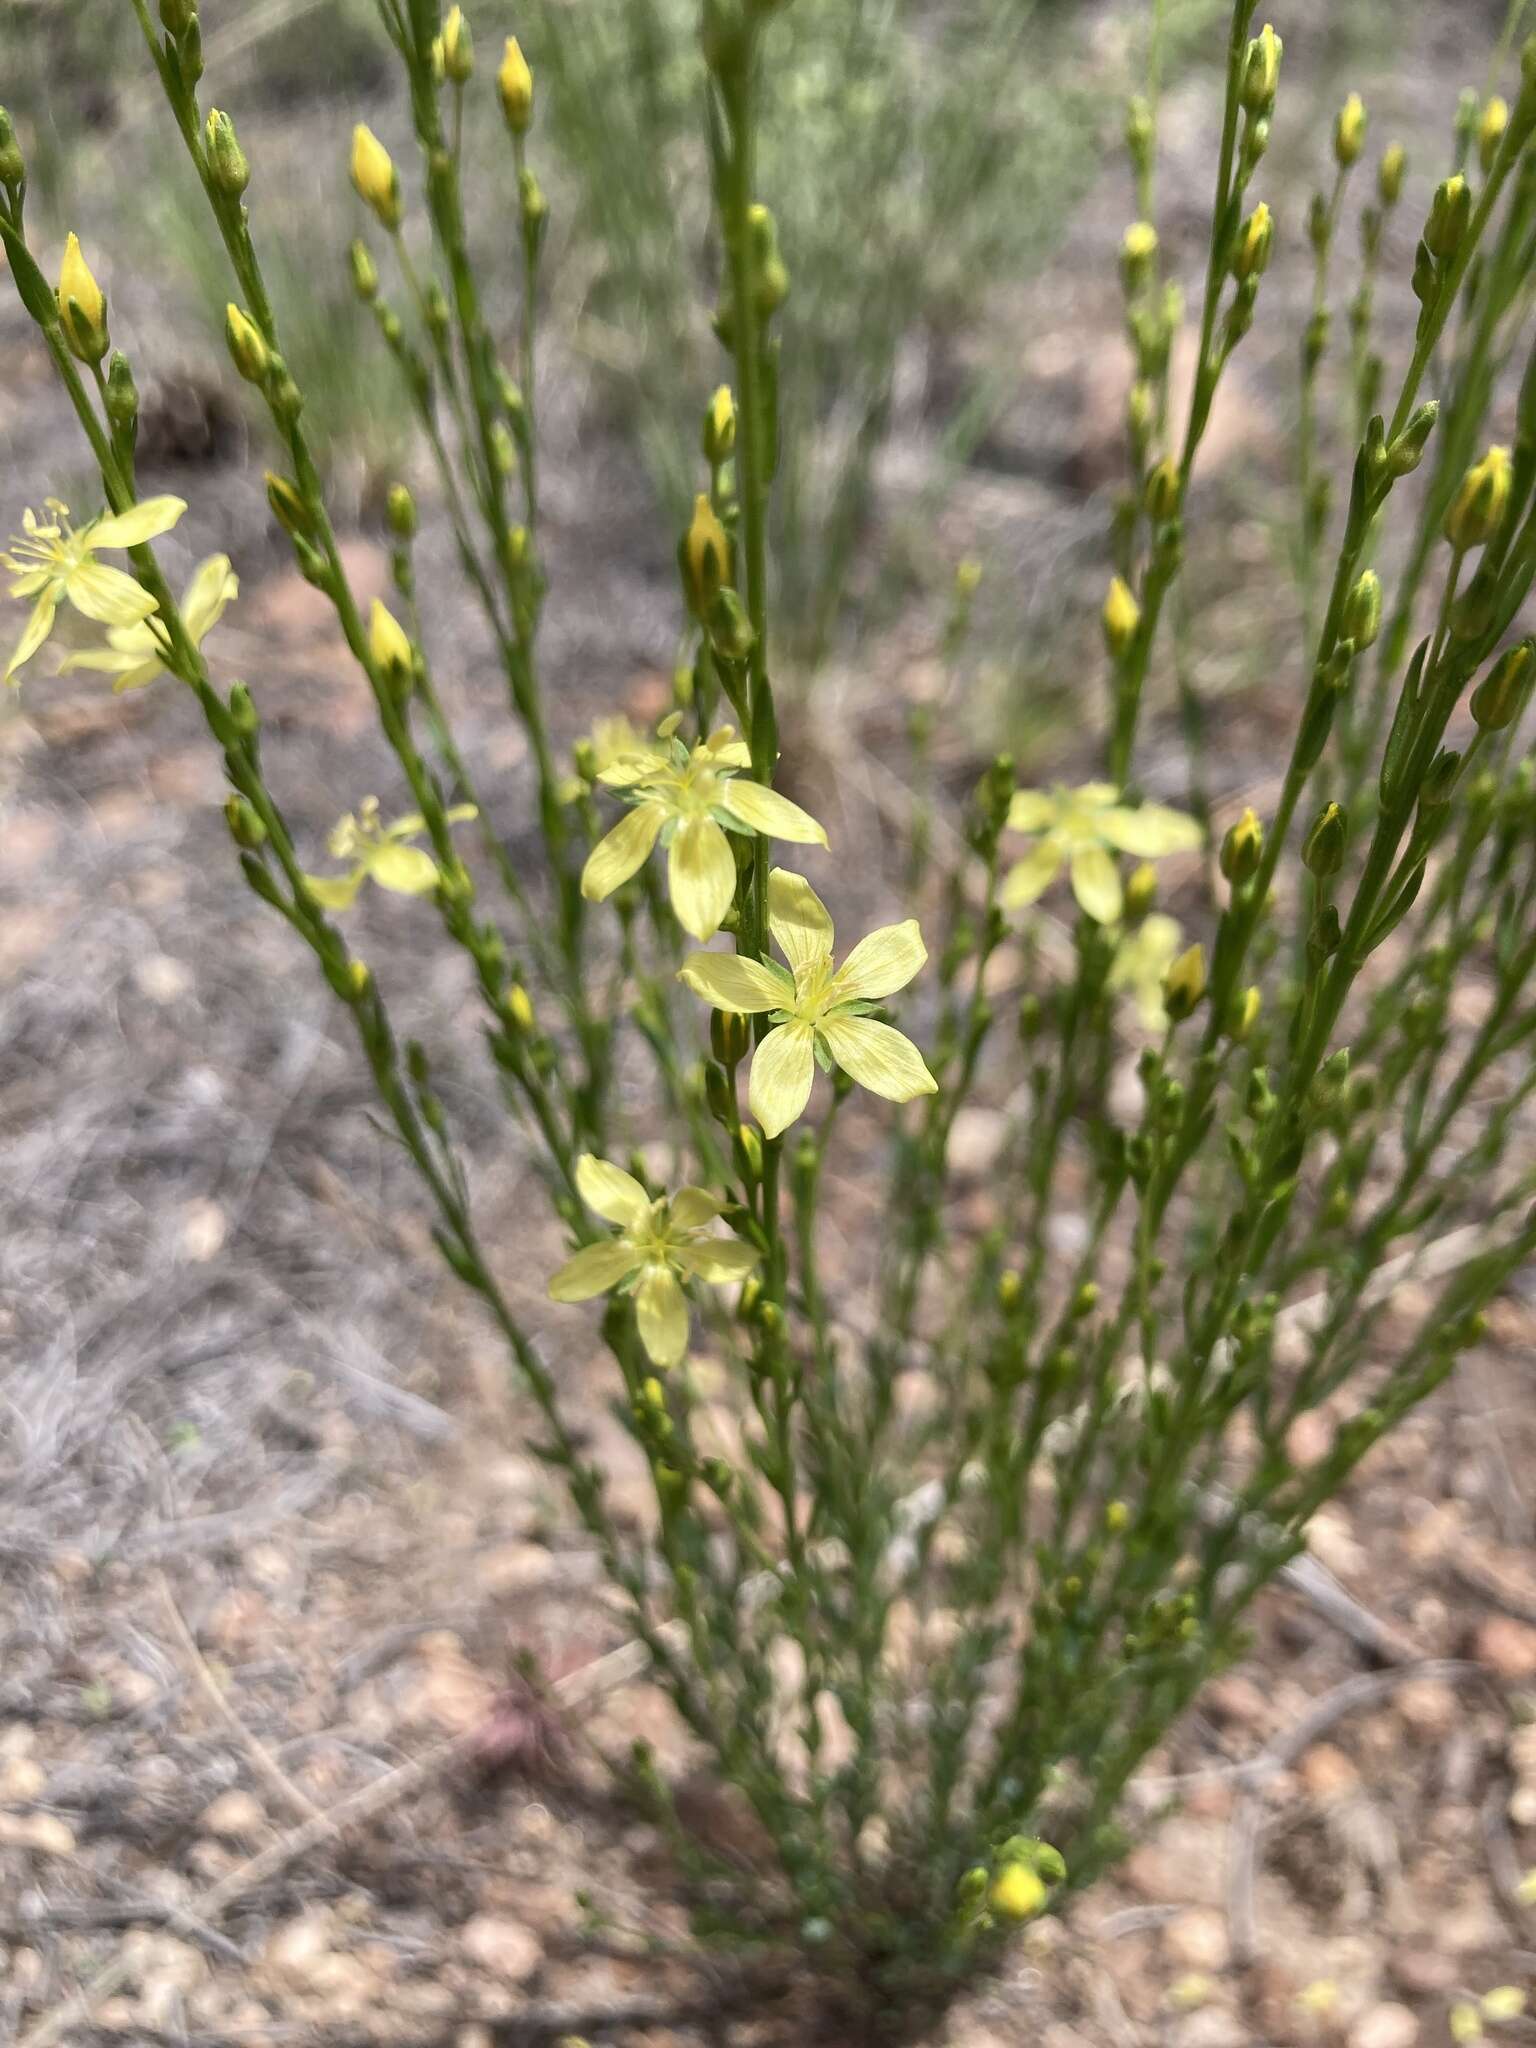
820	1013
1141	961
690	800
659	1244
1083	829
50	560
134	655
378	853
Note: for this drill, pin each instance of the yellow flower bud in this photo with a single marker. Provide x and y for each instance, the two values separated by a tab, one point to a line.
1116	1517
1349	131
388	646
288	506
1251	256
1140	891
1390	173
705	557
458	47
1490	131
1138	249
1243	848
1261	71
374	176
1479	506
1162	492
514	81
1245	1014
720	426
82	306
519	1008
1121	616
1184	983
359	976
247	347
1017	1893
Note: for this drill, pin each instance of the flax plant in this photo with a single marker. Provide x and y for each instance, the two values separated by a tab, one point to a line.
1000	1487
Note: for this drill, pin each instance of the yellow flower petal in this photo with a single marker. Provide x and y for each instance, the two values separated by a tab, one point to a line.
214	585
107	595
622	853
1096	883
611	1193
878	1058
593	1271
723	750
717	1260
34	633
335	892
798	919
701	876
765	811
1032	810
732	982
1150	831
1095	796
783	1067
692	1208
1027	881
406	870
880	964
662	1314
138	524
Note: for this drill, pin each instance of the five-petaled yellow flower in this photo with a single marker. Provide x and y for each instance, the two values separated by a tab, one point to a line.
820	1013
134	655
659	1244
1142	961
50	560
690	800
1084	829
378	853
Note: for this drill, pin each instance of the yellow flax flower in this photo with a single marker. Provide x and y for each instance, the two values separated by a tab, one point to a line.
820	1014
1084	829
1141	962
379	853
134	655
50	560
659	1244
690	799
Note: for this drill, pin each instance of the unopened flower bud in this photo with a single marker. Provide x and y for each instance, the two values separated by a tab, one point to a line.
227	165
1250	257
1478	508
1162	491
1390	173
458	47
1322	850
1138	252
730	630
1242	849
400	511
514	82
720	426
730	1037
247	345
1184	984
245	828
122	397
752	1150
1404	455
177	16
1245	1014
1449	212
1140	131
82	306
1497	698
1140	891
535	207
388	647
374	176
365	274
1490	131
704	557
288	506
1362	610
1261	71
1349	131
1017	1893
13	168
1121	617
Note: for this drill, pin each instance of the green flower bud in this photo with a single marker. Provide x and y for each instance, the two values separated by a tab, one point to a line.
1490	132
247	345
227	165
1162	491
730	1037
719	437
1322	850
1250	258
1404	455
1449	213
245	828
730	630
400	511
1243	849
1140	891
177	16
122	396
1261	71
1184	984
288	506
1497	698
13	168
1138	253
1390	173
365	275
1362	610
